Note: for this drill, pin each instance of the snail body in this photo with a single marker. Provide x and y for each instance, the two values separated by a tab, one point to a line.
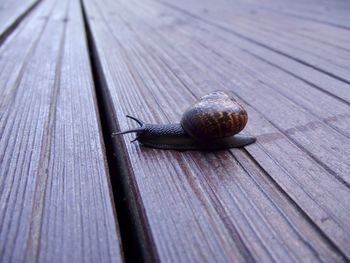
212	123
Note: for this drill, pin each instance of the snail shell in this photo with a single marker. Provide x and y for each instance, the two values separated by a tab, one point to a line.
214	116
212	123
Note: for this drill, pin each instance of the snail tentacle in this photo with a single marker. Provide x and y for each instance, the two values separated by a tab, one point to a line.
128	131
136	119
141	123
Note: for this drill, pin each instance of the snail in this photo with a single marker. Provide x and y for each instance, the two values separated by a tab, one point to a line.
212	123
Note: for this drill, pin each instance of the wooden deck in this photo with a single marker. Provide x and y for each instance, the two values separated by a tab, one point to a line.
71	70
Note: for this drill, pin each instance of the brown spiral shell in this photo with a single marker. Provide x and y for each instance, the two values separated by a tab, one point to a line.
214	116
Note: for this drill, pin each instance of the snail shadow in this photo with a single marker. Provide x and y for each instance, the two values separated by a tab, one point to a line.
145	148
236	141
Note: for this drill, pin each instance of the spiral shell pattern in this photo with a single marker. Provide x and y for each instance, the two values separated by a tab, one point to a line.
214	116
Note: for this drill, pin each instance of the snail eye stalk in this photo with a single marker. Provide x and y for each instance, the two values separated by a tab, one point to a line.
141	123
135	119
128	131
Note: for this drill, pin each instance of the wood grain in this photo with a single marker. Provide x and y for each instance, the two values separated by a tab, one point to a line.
11	14
281	199
56	205
294	49
315	11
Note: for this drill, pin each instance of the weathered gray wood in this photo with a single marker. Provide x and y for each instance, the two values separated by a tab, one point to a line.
331	110
260	93
269	202
254	17
266	14
11	13
308	74
56	204
315	11
267	40
214	63
321	35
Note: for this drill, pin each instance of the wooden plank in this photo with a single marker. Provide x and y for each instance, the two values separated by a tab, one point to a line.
265	22
200	206
56	203
254	15
303	72
14	59
261	91
215	65
11	13
331	110
267	40
321	33
307	74
313	11
320	40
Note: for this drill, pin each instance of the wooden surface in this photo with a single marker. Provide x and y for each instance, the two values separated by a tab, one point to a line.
283	199
54	188
11	14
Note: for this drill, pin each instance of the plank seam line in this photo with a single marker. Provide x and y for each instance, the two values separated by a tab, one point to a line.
304	17
290	200
249	156
170	71
313	38
17	22
285	41
281	131
282	94
296	182
279	189
25	65
270	86
20	75
137	243
253	41
232	229
314	158
324	166
298	77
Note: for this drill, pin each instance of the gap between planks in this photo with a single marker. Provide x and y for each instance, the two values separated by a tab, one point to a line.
288	131
224	28
137	245
15	23
38	218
